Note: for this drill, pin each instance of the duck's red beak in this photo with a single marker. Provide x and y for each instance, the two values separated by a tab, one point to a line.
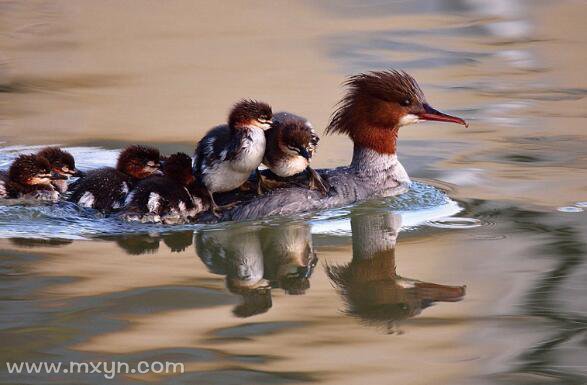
430	113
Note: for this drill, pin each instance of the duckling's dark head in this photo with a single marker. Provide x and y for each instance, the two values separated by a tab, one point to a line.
30	170
247	113
139	161
62	162
179	168
294	136
377	104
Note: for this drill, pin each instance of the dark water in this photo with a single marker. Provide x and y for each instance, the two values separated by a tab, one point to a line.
480	279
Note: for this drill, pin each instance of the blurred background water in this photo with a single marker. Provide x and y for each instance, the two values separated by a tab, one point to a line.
342	297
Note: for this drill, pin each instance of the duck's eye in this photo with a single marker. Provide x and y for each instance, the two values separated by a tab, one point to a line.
405	102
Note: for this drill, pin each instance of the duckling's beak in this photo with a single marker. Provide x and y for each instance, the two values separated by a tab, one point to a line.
430	113
56	176
153	168
305	153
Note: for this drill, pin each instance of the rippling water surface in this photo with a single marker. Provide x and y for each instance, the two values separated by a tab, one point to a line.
477	275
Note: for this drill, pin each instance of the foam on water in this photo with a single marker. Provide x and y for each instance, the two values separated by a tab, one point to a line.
64	220
421	204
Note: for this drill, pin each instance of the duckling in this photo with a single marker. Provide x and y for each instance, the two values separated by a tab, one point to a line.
105	189
62	163
170	198
291	142
29	176
227	155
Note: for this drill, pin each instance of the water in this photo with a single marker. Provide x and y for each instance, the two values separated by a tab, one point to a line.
475	276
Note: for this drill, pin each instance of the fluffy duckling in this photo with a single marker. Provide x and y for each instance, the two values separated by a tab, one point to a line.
29	176
227	155
291	142
106	189
62	163
170	198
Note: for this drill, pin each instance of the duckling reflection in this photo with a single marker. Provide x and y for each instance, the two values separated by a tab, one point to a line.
178	241
255	259
148	243
34	242
237	254
289	257
137	244
372	289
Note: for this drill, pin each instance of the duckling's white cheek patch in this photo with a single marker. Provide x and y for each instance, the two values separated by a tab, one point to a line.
40	181
86	200
2	189
408	119
263	126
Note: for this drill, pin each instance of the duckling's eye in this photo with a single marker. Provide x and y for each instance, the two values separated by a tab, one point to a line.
405	102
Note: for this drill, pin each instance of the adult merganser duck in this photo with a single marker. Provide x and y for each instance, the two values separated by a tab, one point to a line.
291	142
168	198
62	163
228	154
105	189
29	177
370	286
376	105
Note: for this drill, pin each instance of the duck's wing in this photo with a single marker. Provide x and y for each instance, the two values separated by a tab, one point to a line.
282	202
214	146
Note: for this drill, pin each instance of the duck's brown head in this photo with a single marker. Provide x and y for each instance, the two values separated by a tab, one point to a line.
30	170
139	161
62	162
377	104
292	135
250	113
179	168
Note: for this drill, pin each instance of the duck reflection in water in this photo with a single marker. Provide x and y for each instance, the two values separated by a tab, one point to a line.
289	257
369	284
255	259
137	244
